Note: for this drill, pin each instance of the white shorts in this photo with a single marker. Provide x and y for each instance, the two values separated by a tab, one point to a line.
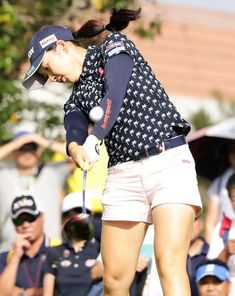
133	188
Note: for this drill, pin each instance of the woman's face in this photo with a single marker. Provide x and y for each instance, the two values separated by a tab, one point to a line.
61	64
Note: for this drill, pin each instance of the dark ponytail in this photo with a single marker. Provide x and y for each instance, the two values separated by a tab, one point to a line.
119	20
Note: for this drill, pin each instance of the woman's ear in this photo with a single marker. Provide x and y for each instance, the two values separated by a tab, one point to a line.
62	46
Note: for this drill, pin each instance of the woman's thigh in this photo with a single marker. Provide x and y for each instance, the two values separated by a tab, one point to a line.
120	246
173	225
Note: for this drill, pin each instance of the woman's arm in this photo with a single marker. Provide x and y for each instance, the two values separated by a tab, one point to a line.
117	75
48	284
76	126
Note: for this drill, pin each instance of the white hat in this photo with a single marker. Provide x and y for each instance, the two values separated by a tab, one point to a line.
74	200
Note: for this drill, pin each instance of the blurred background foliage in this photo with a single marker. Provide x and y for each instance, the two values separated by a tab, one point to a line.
18	21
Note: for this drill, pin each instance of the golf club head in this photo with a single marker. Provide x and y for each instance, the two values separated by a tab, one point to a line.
79	227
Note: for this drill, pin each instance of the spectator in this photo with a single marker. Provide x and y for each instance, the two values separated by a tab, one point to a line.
21	267
213	278
26	173
217	195
72	205
228	256
197	253
228	252
223	228
74	268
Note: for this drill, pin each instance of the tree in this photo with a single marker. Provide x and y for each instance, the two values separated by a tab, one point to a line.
18	21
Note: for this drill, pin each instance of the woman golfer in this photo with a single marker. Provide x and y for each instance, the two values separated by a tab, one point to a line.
151	177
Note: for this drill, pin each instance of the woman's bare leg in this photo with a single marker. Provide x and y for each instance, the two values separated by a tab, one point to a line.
173	225
120	246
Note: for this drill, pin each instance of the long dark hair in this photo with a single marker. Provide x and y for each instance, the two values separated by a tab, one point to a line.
119	20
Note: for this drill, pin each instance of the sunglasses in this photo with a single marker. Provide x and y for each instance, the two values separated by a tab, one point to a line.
28	147
25	218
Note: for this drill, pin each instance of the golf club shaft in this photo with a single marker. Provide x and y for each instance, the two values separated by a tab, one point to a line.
84	191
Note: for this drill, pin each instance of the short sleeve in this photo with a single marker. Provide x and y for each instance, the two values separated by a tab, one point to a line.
50	264
115	44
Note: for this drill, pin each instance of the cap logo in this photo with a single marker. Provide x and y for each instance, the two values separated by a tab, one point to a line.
22	203
210	267
30	70
48	40
31	52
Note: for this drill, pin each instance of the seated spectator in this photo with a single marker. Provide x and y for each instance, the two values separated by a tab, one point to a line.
222	229
72	206
21	267
73	268
213	278
228	252
228	256
217	193
26	173
197	253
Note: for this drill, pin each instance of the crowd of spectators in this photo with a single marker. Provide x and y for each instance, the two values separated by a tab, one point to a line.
49	246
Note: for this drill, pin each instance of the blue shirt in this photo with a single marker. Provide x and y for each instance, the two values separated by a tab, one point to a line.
137	111
72	269
29	273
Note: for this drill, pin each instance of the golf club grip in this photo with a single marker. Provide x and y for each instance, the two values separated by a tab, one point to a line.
84	191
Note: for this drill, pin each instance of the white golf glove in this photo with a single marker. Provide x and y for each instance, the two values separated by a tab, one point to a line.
91	146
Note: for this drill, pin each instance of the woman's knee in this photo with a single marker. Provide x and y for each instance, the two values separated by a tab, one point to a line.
170	264
115	282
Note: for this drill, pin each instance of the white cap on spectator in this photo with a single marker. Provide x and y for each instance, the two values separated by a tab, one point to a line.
74	200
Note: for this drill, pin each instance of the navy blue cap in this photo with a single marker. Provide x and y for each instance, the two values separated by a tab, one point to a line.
42	41
25	204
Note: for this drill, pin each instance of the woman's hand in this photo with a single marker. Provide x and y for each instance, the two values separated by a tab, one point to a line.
92	148
79	156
